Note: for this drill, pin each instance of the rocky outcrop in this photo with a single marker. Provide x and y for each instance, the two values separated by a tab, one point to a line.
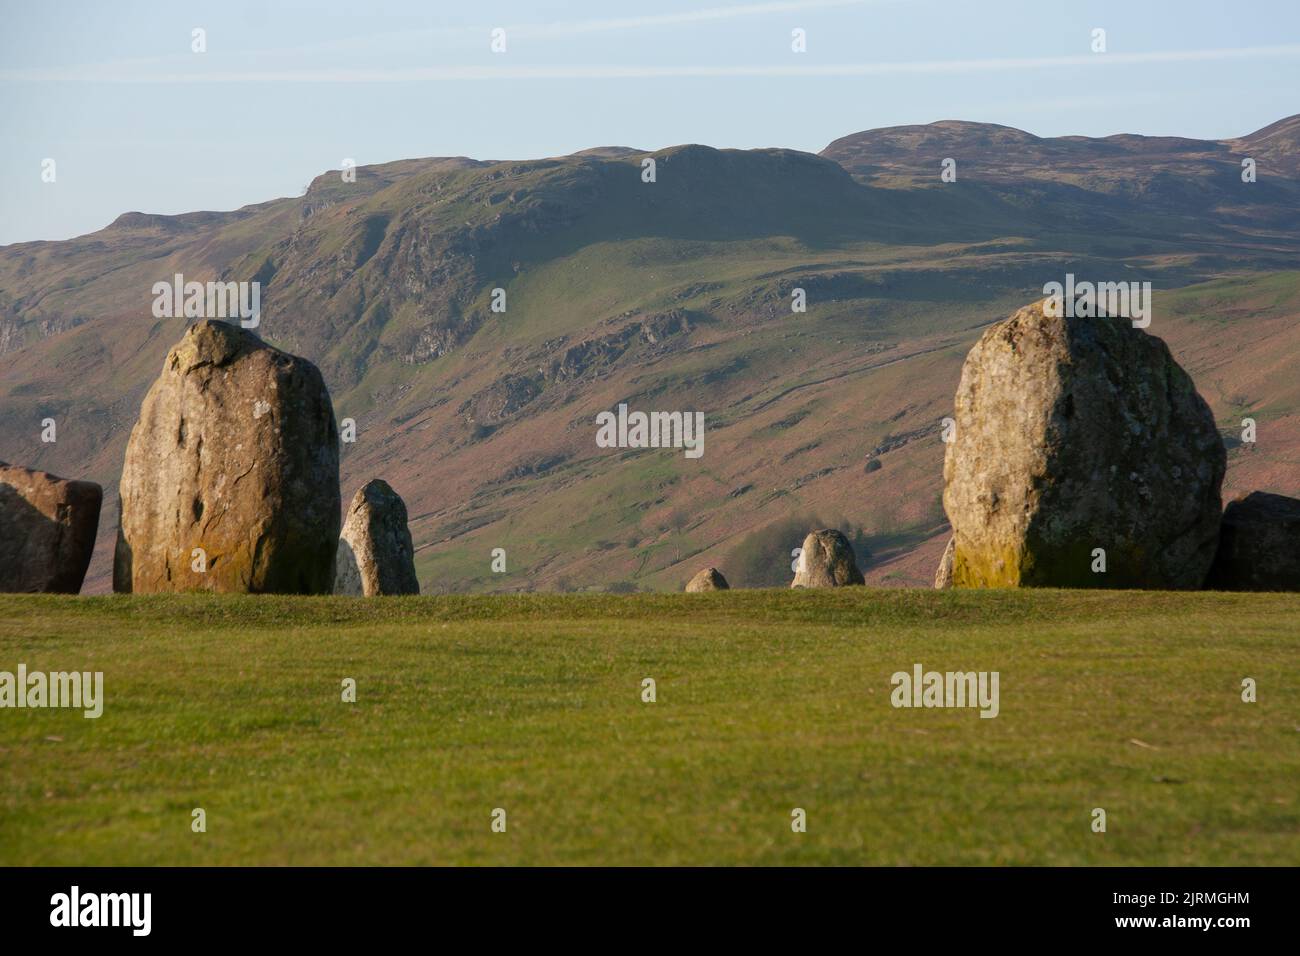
943	574
826	561
1073	435
375	554
710	579
231	478
594	356
47	530
1259	545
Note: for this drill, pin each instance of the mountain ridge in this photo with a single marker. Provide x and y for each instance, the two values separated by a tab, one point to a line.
673	295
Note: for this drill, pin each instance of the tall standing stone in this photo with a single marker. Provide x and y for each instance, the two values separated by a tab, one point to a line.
1073	435
826	561
231	478
375	553
47	530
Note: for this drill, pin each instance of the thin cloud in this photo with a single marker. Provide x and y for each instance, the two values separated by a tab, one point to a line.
457	35
114	74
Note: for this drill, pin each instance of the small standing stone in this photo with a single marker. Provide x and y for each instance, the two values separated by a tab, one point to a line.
375	553
47	530
826	561
1259	545
710	579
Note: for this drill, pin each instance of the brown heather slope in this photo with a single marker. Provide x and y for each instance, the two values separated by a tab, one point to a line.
669	296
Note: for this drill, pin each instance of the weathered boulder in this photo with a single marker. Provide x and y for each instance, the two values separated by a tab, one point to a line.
47	530
1074	434
375	553
943	575
826	561
1259	545
231	478
710	579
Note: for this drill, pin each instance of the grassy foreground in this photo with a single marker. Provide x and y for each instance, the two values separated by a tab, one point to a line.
767	701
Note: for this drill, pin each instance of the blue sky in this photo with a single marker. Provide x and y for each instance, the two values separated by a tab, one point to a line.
136	121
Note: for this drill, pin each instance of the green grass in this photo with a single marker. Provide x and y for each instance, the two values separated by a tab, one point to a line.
767	700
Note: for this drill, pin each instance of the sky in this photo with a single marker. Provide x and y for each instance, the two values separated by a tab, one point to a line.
136	120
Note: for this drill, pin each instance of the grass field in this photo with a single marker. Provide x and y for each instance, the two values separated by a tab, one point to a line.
766	701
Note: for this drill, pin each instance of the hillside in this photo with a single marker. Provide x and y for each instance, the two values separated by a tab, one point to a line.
672	295
1160	186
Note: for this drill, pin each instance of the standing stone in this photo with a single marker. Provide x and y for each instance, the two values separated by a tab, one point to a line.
231	479
1074	434
826	561
375	554
710	579
1259	545
47	530
943	576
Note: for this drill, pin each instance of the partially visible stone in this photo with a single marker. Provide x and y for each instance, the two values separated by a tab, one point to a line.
710	579
47	530
1077	434
231	478
375	553
943	576
826	561
1259	545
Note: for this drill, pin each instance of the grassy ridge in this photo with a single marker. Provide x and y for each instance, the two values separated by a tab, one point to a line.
767	700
